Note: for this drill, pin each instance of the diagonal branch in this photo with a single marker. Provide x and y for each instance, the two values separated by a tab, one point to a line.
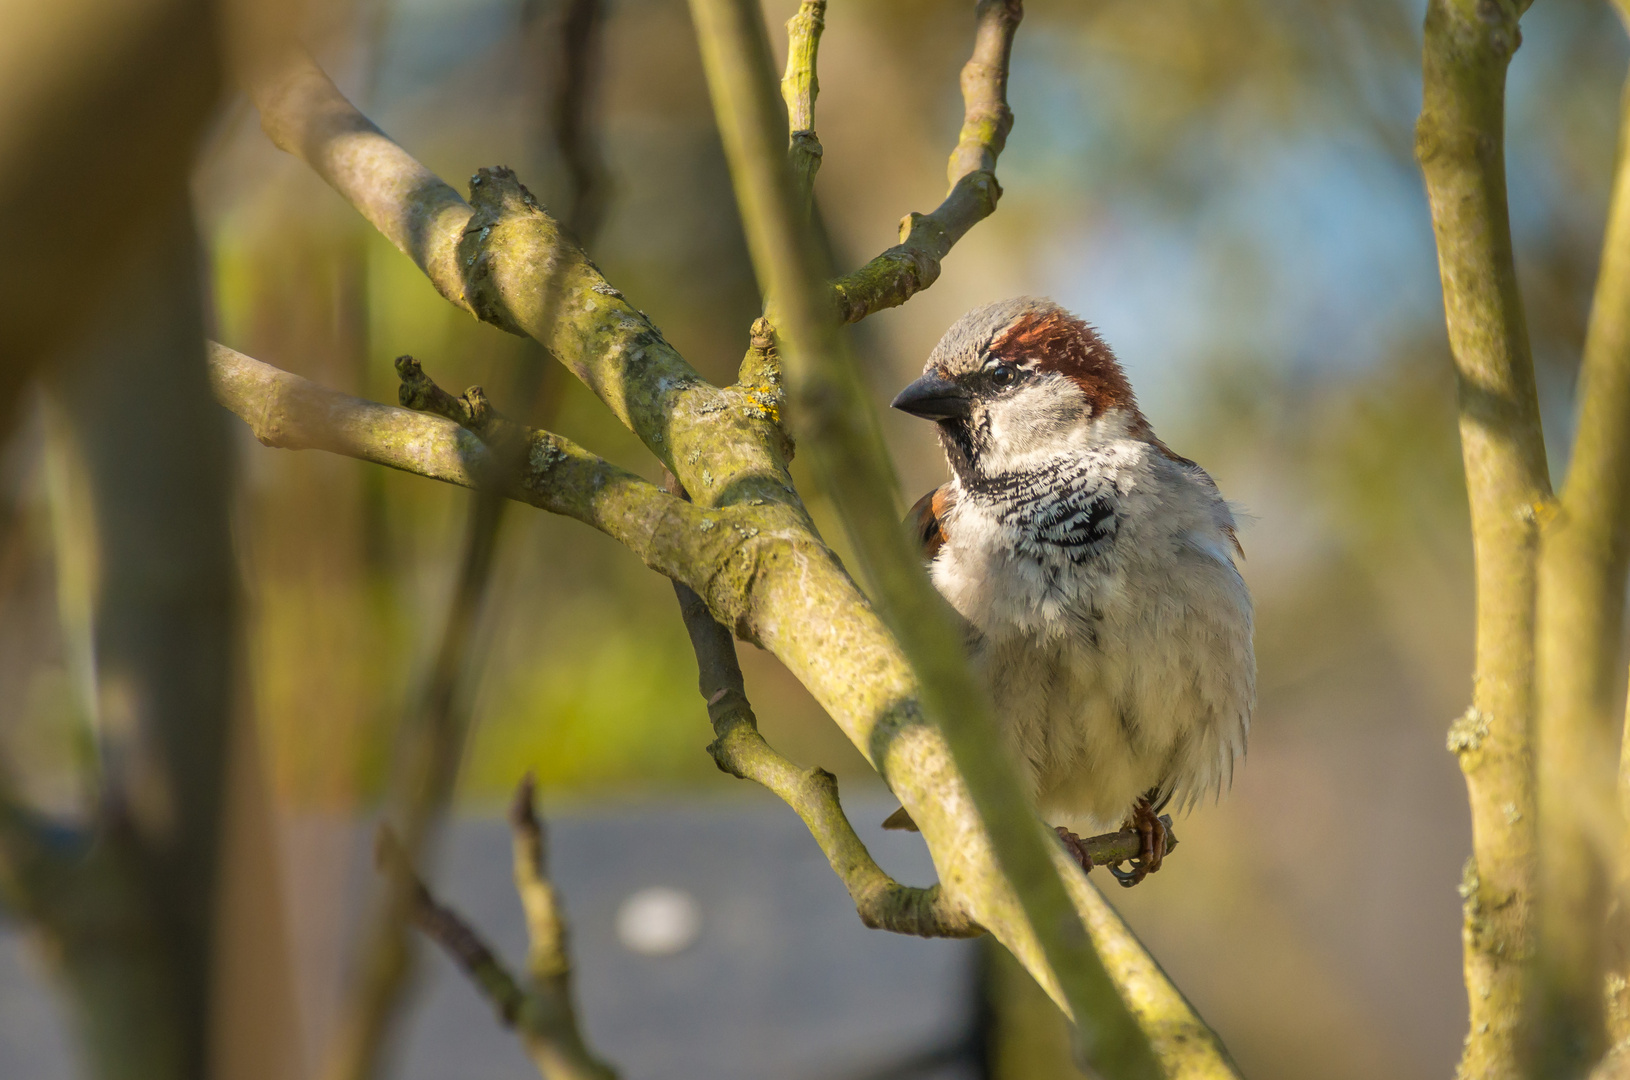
740	750
495	257
913	264
303	113
1459	141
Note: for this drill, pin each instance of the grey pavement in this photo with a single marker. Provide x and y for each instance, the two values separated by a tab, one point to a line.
780	980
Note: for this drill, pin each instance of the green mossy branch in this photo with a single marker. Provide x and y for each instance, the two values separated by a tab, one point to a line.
719	552
497	255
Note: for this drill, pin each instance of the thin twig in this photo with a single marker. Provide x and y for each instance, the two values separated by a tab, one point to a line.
582	26
913	264
540	1010
448	929
1459	141
547	955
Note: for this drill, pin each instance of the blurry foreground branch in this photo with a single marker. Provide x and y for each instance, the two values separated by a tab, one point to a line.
1034	914
740	750
541	1009
1584	555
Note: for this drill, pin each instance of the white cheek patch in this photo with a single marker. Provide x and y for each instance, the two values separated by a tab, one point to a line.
1034	417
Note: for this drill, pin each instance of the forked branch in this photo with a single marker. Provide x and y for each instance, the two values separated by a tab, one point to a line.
540	1009
740	750
292	413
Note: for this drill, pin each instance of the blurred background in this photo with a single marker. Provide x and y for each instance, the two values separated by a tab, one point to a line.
1224	187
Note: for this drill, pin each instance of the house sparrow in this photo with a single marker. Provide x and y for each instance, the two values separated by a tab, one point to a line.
1096	571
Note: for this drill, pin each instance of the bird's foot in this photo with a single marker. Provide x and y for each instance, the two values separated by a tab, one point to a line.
1153	833
1076	846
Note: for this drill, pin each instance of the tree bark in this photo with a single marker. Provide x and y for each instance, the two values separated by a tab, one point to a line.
1459	141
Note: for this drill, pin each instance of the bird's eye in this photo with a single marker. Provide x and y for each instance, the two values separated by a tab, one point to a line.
1004	375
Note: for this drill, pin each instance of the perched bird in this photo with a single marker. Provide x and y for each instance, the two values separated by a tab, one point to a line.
1095	569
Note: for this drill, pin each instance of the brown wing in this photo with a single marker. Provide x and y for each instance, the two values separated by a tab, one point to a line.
926	520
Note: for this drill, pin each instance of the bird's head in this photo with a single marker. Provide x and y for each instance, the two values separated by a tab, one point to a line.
1020	381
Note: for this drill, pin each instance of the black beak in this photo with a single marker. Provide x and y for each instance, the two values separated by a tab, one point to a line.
934	397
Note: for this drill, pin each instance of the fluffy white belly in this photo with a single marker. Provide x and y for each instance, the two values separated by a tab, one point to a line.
1095	728
1113	677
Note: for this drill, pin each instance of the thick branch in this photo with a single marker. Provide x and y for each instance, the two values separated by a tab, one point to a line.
497	259
1459	141
157	457
913	264
799	88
